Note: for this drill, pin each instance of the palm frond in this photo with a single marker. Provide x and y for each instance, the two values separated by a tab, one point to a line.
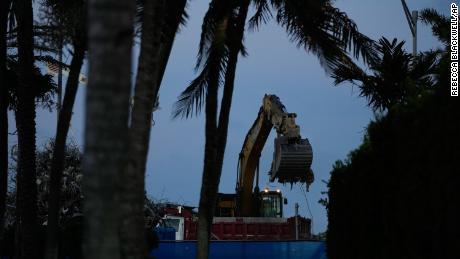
44	86
47	59
348	71
305	31
323	30
439	24
191	100
425	68
217	35
347	31
215	22
262	15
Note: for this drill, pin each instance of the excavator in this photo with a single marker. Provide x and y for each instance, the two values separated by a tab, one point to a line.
249	213
292	159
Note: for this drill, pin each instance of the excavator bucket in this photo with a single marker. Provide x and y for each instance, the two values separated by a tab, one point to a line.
292	160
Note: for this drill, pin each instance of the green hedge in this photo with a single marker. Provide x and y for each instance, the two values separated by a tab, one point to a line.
398	194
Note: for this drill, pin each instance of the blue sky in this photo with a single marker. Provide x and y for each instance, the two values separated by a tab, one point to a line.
332	117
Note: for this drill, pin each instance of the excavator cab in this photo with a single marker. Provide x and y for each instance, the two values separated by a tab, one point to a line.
267	204
271	204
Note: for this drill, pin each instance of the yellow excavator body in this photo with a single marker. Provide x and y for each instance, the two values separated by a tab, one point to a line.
292	156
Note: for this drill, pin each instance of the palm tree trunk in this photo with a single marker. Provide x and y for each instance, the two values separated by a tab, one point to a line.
160	22
3	116
206	204
216	138
132	199
226	102
26	203
57	166
106	127
172	20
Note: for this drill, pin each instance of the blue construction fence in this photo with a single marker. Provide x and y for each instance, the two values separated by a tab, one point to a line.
244	249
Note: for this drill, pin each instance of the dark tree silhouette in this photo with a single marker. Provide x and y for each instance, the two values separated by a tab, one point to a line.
396	196
159	22
110	39
25	124
69	18
4	7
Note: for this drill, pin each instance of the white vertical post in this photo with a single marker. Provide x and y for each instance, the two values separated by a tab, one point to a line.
414	36
296	221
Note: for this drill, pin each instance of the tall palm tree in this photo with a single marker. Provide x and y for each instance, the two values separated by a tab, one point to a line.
218	27
160	21
26	128
63	125
42	87
71	17
106	128
315	25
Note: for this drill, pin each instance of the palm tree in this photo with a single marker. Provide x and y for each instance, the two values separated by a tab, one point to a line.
439	24
218	28
315	25
160	21
69	15
44	87
397	76
106	128
440	28
25	124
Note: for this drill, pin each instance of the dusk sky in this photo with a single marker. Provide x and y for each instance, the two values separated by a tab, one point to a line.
332	117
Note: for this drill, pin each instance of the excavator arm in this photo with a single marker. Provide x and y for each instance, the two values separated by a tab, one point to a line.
292	156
